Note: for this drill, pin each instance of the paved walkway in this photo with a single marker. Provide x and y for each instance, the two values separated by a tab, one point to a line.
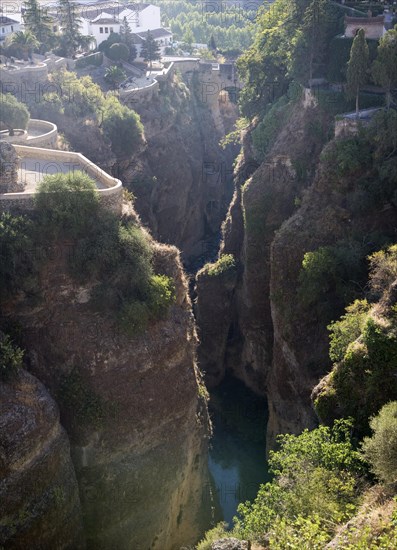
32	171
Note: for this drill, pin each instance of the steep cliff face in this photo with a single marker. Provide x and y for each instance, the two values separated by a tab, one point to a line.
39	498
130	405
266	195
297	202
183	179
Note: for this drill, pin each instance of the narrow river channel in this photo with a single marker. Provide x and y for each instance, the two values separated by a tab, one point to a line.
237	460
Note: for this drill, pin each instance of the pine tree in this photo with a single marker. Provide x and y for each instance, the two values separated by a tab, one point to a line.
357	67
126	32
150	49
38	22
212	43
384	68
70	23
311	41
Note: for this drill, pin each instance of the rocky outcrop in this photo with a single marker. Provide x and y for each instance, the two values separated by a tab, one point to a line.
183	180
267	194
230	544
9	169
131	407
39	498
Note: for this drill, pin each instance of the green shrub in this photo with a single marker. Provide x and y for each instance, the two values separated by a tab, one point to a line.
122	126
383	266
365	379
212	535
225	264
161	294
315	478
10	358
118	52
381	448
347	329
67	204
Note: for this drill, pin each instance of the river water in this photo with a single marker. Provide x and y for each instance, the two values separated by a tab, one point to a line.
237	460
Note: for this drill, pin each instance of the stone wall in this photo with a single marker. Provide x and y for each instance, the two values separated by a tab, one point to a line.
13	79
111	196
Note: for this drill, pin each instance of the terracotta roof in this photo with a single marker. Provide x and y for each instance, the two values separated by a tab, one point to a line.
380	19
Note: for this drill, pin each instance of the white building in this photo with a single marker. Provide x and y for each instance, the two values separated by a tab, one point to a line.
103	18
163	37
8	26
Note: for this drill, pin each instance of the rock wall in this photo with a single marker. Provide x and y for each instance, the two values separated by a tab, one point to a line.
39	498
139	429
183	180
267	194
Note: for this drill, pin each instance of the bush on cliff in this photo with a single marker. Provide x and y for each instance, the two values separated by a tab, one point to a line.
363	345
225	264
67	203
314	488
380	449
122	126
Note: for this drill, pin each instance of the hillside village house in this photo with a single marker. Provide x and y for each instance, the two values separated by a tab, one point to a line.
101	19
8	26
374	27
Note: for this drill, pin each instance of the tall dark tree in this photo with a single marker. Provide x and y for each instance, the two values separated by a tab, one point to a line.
70	27
357	67
212	43
384	68
150	49
310	41
39	23
127	38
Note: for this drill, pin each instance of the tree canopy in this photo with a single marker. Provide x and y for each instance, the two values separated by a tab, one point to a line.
13	114
357	67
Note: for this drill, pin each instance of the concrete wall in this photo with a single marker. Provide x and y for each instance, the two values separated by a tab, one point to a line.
111	197
48	134
133	96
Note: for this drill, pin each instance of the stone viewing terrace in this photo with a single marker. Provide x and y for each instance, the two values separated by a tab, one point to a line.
24	167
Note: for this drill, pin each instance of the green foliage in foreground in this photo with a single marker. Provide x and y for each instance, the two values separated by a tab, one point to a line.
211	536
314	488
225	264
381	449
10	358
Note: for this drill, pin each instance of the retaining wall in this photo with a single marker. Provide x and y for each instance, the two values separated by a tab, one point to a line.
111	197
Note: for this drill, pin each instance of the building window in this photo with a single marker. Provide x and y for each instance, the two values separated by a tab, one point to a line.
12	28
100	30
106	30
111	29
3	30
